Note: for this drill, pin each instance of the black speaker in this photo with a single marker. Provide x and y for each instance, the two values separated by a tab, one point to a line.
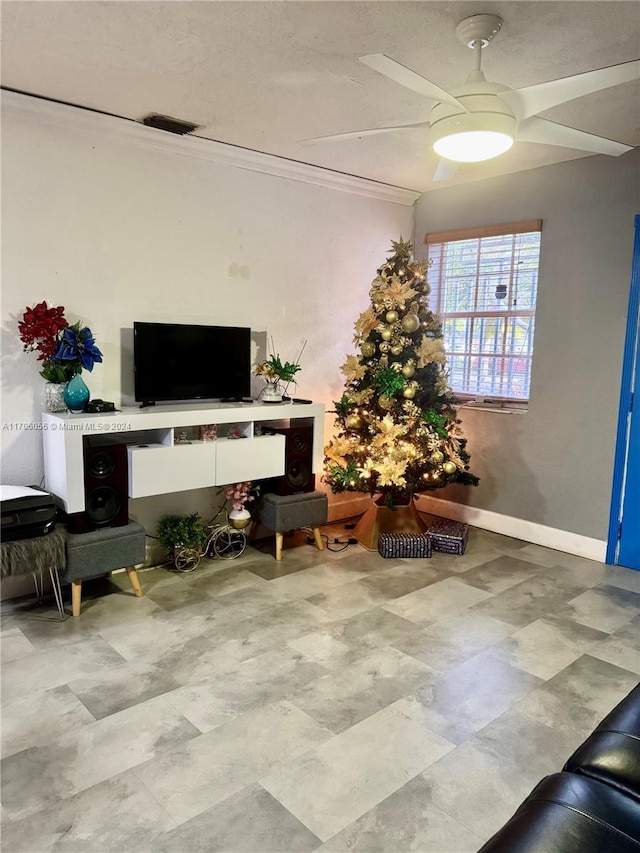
106	488
298	469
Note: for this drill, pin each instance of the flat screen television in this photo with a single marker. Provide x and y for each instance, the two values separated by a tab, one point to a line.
173	361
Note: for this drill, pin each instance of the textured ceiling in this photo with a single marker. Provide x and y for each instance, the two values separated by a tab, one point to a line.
267	75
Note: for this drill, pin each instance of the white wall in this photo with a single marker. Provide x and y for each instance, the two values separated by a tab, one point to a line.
117	230
553	466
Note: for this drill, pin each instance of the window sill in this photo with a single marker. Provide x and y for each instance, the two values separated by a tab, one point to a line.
500	408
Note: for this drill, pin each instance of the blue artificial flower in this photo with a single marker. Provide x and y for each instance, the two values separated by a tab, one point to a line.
78	345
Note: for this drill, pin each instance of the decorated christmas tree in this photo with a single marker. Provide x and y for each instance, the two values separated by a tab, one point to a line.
397	428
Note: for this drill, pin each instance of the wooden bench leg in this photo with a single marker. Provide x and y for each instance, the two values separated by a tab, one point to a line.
135	581
318	538
279	540
76	597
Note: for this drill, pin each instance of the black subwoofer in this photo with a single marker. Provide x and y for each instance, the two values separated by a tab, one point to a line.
298	474
106	500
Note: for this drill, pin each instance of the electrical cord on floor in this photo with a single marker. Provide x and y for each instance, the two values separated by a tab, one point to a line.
327	543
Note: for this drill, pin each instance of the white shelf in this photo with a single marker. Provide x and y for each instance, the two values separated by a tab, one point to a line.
159	465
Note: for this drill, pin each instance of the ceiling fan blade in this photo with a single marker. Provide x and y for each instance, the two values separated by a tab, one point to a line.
356	134
406	77
445	170
537	129
535	99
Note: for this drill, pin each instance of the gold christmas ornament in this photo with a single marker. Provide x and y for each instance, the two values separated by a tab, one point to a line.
396	349
409	392
437	457
391	316
385	402
396	365
368	349
408	370
353	422
377	298
449	468
410	322
386	334
384	346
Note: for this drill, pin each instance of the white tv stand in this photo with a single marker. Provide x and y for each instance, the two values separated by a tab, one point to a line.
159	465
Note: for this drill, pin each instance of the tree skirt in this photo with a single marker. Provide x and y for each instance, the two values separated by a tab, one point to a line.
33	555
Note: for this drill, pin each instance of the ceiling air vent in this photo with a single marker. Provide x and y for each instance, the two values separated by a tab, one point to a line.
171	125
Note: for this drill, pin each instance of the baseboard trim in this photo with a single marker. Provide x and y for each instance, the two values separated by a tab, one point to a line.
518	528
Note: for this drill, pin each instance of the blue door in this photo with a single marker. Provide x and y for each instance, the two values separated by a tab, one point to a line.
623	547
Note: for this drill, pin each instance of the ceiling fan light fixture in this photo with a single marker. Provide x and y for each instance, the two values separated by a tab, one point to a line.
473	138
473	146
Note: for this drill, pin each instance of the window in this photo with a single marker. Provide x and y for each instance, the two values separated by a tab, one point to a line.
484	284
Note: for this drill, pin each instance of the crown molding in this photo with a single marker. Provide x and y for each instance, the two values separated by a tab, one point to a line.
132	132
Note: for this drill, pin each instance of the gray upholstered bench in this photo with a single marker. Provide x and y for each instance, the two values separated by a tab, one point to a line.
291	512
90	555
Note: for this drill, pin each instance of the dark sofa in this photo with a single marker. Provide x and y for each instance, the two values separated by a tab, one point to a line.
593	805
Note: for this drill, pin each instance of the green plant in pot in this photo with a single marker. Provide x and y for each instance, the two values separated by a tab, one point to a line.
275	371
182	535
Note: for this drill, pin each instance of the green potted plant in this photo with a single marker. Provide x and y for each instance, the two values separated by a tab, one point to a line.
274	371
182	536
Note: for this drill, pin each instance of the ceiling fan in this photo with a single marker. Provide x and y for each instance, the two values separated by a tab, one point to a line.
479	119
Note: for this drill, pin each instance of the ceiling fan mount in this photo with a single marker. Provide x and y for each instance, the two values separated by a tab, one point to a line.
478	28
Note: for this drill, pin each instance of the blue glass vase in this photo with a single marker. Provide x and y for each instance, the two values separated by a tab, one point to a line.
76	393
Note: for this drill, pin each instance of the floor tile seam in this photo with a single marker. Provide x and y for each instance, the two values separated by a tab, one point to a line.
245	779
408	776
622	669
444	808
491	647
594	648
606	660
437	737
602	589
559	731
37	693
134	704
257	784
148	790
576	618
456	611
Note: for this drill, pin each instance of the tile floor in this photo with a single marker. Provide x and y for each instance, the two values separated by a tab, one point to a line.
334	702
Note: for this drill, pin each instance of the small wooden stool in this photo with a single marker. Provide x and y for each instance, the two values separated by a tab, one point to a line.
34	556
90	555
291	512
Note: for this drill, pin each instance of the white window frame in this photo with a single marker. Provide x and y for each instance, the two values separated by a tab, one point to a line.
508	313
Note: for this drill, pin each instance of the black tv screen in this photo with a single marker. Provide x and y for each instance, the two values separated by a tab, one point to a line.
172	361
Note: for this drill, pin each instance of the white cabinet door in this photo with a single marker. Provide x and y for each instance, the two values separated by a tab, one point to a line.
158	469
243	459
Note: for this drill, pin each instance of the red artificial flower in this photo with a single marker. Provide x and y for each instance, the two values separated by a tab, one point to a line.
39	329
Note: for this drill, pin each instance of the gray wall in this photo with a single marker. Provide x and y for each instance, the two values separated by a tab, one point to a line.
554	464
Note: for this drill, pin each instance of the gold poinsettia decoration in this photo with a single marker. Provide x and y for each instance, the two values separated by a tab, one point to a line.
353	369
338	449
398	292
442	384
367	469
391	473
358	398
430	351
389	431
365	323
